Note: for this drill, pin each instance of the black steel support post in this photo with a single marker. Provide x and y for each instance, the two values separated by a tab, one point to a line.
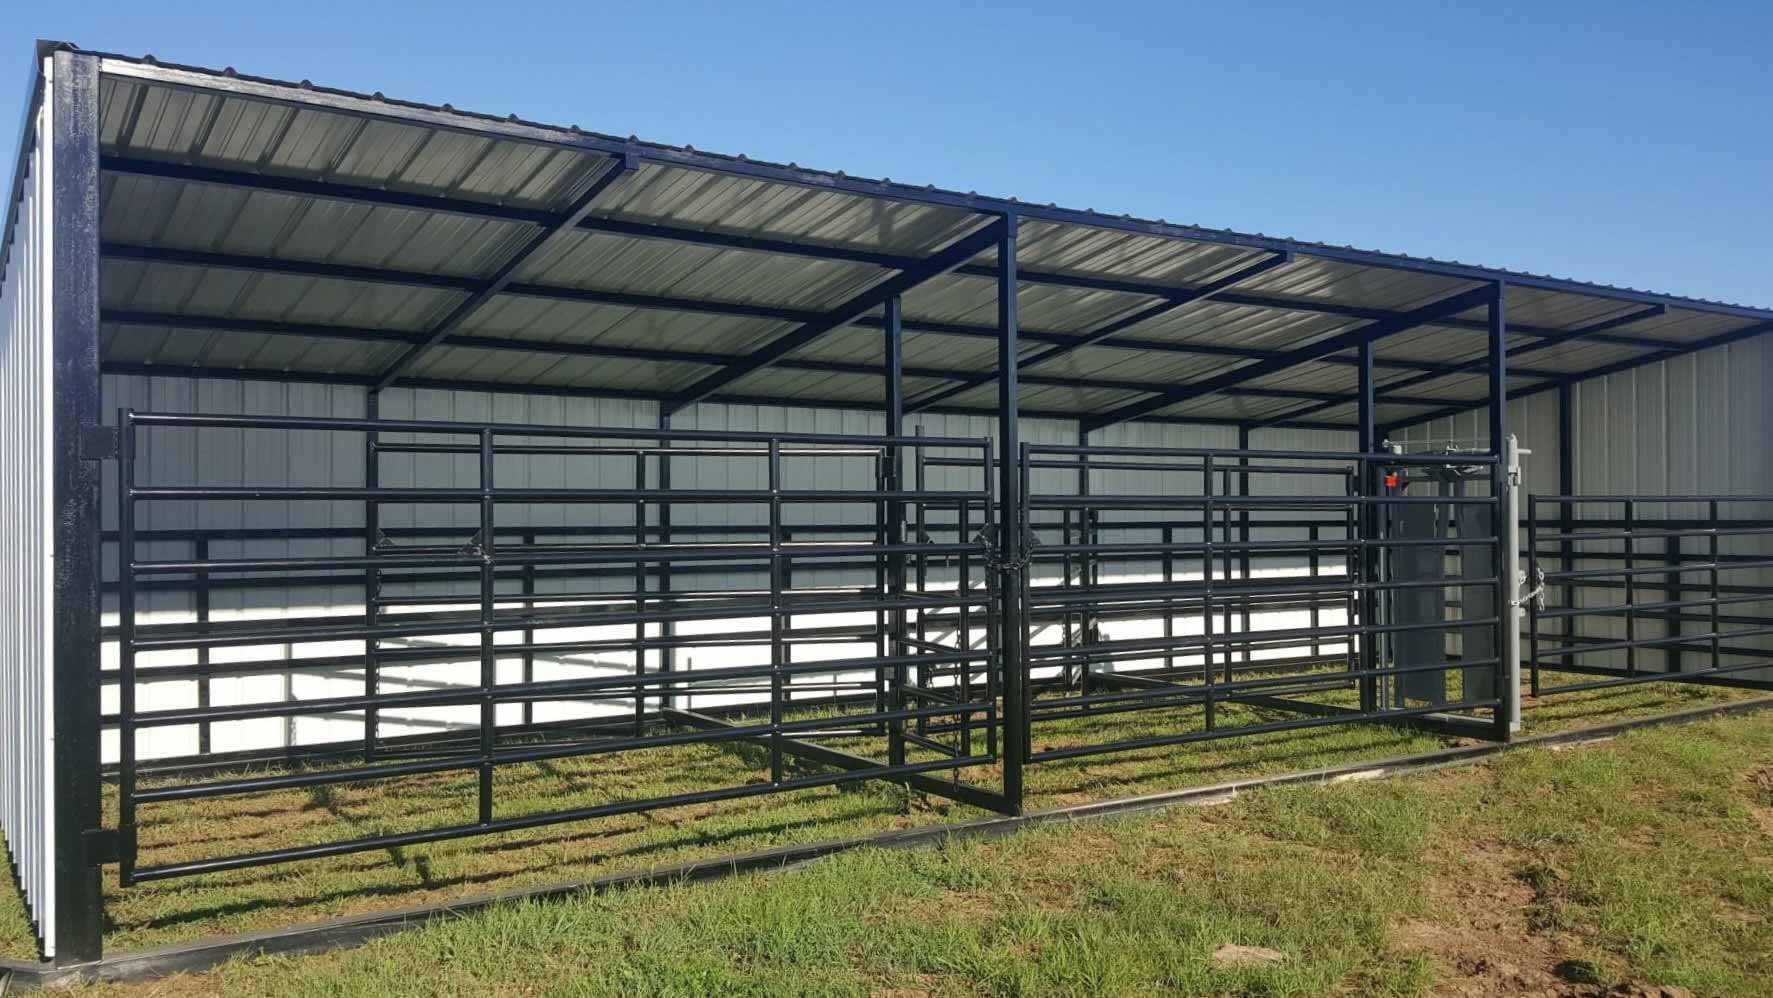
489	662
1367	520
667	629
1011	524
1243	529
74	154
1502	560
126	541
893	348
372	576
1566	509
778	613
1089	535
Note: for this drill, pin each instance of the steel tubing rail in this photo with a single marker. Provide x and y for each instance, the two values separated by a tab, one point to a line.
1163	741
564	688
209	421
543	819
541	753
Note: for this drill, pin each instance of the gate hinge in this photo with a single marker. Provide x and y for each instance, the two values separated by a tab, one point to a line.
102	845
98	443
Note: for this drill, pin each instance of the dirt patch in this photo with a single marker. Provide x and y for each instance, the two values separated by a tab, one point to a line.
1494	932
1761	786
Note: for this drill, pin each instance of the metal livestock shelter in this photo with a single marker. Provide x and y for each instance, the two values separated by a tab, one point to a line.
349	439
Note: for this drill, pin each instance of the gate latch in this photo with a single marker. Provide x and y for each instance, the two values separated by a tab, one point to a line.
1536	595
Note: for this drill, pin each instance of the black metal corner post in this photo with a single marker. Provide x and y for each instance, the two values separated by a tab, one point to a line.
74	156
1011	524
1507	687
894	350
1368	554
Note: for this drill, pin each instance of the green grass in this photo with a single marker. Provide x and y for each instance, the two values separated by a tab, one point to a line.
1644	859
162	912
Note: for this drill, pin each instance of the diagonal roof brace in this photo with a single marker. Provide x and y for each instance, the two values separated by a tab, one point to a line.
1427	314
564	222
1479	364
1115	326
1617	367
957	253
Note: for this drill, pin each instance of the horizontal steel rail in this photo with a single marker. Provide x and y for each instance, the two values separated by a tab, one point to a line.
1646	576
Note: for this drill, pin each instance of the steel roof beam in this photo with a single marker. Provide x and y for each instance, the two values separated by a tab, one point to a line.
507	272
447	282
1115	327
384	197
856	307
1354	338
570	391
394	337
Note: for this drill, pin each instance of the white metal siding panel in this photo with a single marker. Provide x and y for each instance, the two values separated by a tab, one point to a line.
27	688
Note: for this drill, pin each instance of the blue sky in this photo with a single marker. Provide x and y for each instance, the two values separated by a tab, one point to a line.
1630	143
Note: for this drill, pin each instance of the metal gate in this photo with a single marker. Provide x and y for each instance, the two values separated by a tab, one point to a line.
1250	591
479	592
1634	589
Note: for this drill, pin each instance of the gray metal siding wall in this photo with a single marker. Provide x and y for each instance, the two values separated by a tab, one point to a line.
27	758
1695	425
238	457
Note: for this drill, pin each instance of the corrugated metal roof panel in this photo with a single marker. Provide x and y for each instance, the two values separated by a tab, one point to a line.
517	166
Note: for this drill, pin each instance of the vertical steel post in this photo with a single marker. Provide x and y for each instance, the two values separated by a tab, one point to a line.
640	577
1717	660
75	481
1631	590
1243	532
126	612
893	350
530	540
1503	560
1089	535
667	629
1533	609
372	577
1012	522
1566	509
1206	574
489	662
199	548
777	649
1367	518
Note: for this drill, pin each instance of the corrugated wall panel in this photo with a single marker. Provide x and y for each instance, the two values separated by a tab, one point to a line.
27	432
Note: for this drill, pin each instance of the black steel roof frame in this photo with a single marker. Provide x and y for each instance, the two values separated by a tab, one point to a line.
455	121
512	127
